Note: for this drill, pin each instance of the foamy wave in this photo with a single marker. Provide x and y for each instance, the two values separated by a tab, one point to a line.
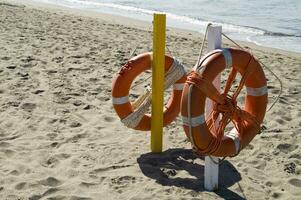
179	18
230	28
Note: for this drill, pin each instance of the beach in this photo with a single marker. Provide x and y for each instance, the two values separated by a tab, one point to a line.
60	137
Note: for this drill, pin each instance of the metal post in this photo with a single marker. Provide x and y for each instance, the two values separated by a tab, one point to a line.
158	66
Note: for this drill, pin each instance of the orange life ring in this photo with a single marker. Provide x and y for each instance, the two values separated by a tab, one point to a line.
205	136
122	83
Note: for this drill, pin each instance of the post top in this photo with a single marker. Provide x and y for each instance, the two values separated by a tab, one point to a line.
159	14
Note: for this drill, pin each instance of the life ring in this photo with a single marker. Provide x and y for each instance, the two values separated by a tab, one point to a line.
205	136
122	84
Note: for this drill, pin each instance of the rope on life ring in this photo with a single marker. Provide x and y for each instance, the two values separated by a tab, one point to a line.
133	115
206	139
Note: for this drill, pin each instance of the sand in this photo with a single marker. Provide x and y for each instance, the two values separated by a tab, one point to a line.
61	139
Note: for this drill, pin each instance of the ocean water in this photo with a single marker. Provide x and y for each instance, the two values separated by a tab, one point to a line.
270	23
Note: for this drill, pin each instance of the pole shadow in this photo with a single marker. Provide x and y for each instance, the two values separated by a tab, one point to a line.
165	167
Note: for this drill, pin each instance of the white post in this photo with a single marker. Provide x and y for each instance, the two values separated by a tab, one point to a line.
211	169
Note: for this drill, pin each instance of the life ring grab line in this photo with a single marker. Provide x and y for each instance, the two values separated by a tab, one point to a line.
176	86
125	99
199	120
251	91
226	53
195	121
175	75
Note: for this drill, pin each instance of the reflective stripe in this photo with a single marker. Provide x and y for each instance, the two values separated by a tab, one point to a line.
120	100
234	136
226	53
178	86
195	68
257	91
195	121
228	57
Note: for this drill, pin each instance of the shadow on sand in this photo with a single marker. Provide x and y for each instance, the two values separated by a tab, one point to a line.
165	166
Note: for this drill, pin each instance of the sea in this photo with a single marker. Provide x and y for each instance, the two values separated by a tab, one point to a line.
270	23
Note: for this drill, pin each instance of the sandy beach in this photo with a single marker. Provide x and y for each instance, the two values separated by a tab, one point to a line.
60	137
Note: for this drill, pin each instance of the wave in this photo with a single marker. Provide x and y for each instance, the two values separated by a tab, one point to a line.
227	27
271	33
281	34
181	18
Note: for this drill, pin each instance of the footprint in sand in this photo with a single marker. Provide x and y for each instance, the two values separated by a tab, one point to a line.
58	59
79	198
75	138
52	136
297	156
286	148
75	124
260	165
287	118
54	144
87	184
269	184
28	106
4	144
123	181
38	91
290	168
75	163
50	191
47	192
63	156
11	67
50	181
295	182
14	173
27	59
58	197
8	152
5	58
276	195
20	186
109	119
50	162
280	121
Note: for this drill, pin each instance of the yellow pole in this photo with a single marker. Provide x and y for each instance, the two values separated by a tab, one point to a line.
158	65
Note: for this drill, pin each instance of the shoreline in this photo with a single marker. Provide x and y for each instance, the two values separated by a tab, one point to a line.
143	25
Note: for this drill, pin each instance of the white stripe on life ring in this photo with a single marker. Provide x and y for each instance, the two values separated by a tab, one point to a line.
120	100
234	136
178	86
257	91
228	57
194	121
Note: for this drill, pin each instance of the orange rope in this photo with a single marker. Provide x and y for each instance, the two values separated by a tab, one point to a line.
225	105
